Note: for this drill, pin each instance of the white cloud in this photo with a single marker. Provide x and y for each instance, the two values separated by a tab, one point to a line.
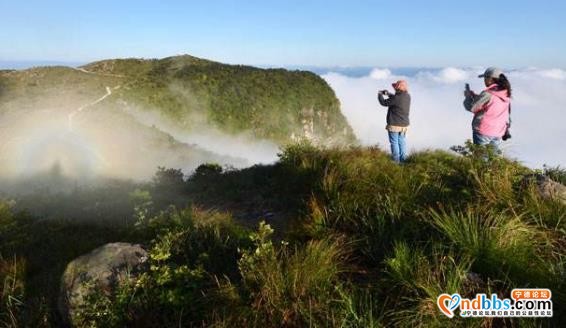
438	119
556	74
380	74
447	75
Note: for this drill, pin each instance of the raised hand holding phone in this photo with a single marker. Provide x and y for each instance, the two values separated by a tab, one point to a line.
468	92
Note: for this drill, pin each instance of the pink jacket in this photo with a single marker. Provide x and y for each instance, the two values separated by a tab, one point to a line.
491	111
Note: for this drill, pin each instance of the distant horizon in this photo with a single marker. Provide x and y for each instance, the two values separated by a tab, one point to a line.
26	64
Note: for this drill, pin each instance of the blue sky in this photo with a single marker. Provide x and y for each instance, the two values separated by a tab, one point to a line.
282	33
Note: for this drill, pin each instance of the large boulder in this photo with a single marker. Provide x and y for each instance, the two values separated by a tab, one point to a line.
103	268
547	188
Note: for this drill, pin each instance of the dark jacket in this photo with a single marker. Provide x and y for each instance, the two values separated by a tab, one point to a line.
399	105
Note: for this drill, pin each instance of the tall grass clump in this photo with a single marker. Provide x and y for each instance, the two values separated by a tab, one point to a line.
361	193
556	173
501	245
414	280
288	286
547	212
12	289
12	270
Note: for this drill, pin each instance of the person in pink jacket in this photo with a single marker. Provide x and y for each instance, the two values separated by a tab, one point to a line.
491	108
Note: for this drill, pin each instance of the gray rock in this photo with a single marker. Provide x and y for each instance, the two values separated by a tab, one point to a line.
547	188
104	268
472	283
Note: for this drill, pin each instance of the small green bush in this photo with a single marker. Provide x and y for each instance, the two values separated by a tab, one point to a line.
189	250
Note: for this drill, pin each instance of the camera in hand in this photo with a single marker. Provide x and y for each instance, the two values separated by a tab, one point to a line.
507	135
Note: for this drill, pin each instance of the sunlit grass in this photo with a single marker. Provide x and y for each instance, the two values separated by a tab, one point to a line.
371	243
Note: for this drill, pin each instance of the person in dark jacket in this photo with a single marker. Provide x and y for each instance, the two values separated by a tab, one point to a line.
398	105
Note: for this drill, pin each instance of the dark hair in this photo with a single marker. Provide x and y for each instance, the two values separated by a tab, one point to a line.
503	83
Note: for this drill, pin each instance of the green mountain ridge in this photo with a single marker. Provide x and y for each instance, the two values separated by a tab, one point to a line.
187	94
273	104
233	97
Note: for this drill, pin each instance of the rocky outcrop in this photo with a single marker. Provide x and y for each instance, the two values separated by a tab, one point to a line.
317	129
547	188
103	268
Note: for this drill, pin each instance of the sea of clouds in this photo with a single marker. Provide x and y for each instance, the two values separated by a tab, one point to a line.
438	118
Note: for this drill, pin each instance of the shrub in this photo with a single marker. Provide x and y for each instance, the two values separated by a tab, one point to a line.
208	169
189	250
